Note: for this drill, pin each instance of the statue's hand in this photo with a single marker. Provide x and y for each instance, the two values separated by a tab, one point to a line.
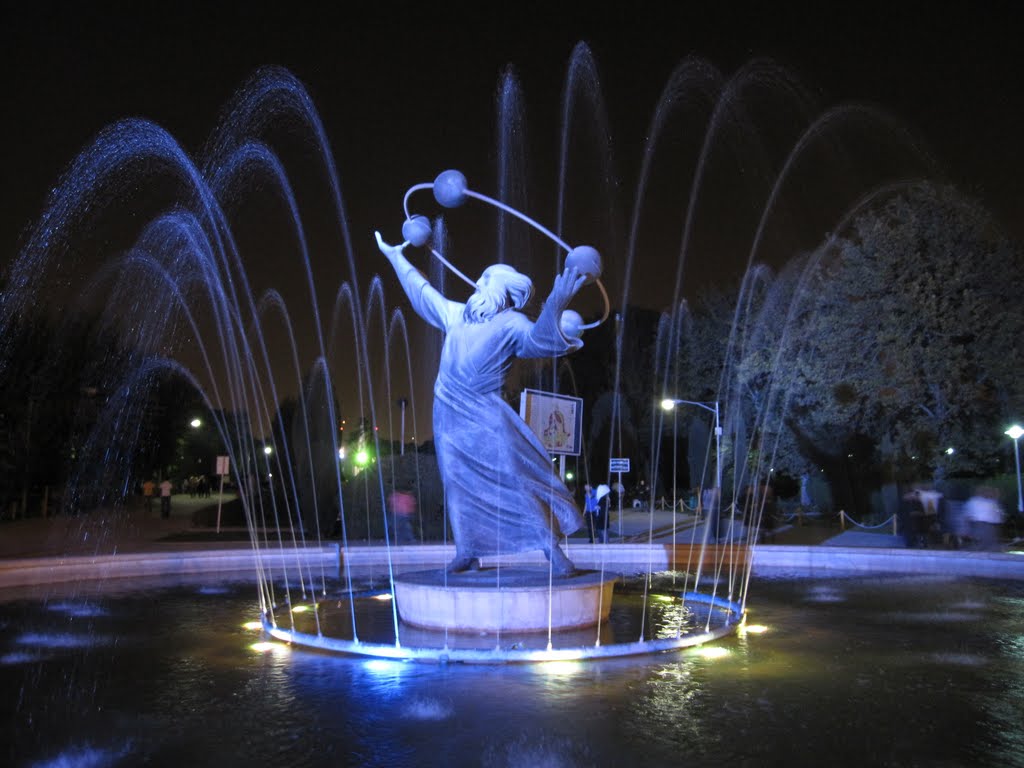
566	286
391	251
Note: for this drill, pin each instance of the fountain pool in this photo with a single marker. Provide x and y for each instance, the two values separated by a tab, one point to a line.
861	670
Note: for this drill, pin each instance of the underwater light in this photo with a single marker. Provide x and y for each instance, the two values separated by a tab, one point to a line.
252	625
754	629
267	647
712	652
382	665
382	596
300	608
561	667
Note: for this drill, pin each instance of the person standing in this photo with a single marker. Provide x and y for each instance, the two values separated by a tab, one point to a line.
165	498
589	509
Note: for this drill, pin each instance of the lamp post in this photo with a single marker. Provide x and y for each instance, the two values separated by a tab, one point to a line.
402	402
669	404
1015	432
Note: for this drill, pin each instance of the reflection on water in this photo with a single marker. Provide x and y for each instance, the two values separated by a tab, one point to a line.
858	671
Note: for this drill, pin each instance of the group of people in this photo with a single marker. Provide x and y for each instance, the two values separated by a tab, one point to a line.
975	523
197	486
166	488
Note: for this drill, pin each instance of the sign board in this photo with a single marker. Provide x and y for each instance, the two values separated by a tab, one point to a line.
223	466
557	420
618	465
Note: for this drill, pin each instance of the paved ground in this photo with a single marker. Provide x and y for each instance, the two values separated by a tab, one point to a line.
131	529
192	526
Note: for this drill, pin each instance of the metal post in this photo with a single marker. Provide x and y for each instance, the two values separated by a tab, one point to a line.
675	460
1016	455
621	492
220	501
402	403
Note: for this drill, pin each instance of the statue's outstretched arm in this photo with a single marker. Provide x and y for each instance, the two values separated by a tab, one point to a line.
546	333
429	303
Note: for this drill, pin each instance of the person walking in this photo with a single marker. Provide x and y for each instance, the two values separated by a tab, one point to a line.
148	490
985	516
165	498
403	509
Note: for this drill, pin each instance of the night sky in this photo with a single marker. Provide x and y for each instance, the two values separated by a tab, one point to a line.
405	91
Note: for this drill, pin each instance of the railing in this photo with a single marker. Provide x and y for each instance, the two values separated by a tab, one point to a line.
843	517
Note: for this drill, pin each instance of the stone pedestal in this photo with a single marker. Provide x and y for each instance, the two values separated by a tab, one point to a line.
513	599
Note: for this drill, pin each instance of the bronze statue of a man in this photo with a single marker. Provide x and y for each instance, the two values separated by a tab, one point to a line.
501	492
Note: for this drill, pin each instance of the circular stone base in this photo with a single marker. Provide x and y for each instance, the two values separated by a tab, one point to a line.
505	600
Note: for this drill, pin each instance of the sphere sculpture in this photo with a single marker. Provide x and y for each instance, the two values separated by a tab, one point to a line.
451	189
417	230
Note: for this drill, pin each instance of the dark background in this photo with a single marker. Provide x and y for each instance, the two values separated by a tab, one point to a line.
407	90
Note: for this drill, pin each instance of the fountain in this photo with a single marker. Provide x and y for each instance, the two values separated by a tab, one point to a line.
218	322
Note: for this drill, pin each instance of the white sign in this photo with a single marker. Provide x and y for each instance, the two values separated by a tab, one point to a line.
557	420
618	465
223	466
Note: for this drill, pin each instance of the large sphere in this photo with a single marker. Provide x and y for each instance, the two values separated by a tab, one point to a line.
416	230
450	189
571	324
587	260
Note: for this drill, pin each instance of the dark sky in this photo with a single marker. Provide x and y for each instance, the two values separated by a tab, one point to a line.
407	90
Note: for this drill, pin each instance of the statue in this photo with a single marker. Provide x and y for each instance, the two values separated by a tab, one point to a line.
501	491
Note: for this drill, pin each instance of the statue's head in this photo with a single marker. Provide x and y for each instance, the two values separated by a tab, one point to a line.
500	287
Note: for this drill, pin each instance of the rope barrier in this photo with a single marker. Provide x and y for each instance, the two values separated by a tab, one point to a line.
843	517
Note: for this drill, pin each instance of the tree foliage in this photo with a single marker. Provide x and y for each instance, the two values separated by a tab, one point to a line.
896	339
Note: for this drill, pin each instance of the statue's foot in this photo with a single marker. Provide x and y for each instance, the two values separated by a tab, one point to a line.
560	564
460	564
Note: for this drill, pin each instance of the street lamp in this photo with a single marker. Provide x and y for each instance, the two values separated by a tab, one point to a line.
1015	432
402	403
669	404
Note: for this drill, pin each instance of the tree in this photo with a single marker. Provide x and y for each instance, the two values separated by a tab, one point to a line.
908	332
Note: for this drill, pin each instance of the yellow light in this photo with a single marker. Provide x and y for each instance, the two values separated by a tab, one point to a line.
300	609
560	667
267	647
196	423
712	652
668	404
754	629
384	596
252	625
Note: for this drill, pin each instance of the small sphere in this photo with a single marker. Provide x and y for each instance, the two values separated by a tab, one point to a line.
587	260
571	324
450	189
416	230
